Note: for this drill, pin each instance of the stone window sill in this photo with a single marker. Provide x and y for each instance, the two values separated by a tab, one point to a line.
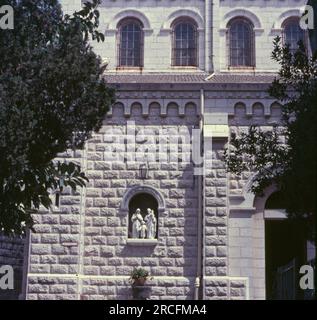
184	68
241	69
129	69
142	242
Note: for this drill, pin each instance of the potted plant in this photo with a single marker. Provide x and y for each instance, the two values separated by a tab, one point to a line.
139	276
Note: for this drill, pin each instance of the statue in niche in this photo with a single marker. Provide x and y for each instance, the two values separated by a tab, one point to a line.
136	220
143	230
151	223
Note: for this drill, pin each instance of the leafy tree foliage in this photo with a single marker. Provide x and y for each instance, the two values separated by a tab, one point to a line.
52	97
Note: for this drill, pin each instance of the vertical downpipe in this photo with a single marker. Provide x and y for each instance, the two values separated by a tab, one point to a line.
26	263
81	235
198	281
208	35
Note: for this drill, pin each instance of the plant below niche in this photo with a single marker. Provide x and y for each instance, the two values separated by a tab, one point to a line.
139	276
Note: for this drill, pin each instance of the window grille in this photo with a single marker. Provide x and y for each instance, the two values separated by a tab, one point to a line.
293	34
241	43
184	44
130	43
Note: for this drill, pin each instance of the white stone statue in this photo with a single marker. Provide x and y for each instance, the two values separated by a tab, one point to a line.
151	223
136	220
143	230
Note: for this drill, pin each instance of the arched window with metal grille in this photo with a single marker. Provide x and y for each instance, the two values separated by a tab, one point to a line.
293	34
184	43
241	43
130	43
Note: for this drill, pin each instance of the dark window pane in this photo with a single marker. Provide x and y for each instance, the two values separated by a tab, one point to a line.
240	43
130	44
293	34
185	45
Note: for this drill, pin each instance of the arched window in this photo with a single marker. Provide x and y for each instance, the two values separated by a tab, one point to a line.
241	43
184	47
130	43
143	216
293	34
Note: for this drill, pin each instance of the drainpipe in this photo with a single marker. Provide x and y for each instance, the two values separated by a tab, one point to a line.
26	263
81	235
208	35
198	281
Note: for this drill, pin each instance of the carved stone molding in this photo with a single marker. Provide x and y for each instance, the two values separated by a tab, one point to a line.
163	104
143	189
241	12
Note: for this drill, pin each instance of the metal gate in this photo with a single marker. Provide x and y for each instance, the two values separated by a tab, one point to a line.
286	281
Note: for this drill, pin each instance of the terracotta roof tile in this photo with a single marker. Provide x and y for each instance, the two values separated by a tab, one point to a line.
174	78
242	78
156	78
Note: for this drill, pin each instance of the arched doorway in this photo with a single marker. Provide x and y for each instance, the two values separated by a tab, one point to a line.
285	251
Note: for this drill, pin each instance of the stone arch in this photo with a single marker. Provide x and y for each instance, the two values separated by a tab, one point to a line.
276	109
118	105
130	193
191	108
129	13
258	109
240	109
171	107
278	25
154	104
136	108
117	109
251	200
241	13
184	13
154	108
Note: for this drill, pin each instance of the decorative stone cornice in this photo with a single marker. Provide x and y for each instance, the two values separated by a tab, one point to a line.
245	106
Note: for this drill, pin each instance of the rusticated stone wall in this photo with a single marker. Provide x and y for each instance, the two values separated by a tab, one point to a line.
81	249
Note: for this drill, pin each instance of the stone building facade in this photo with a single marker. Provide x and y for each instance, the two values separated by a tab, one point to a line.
210	237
